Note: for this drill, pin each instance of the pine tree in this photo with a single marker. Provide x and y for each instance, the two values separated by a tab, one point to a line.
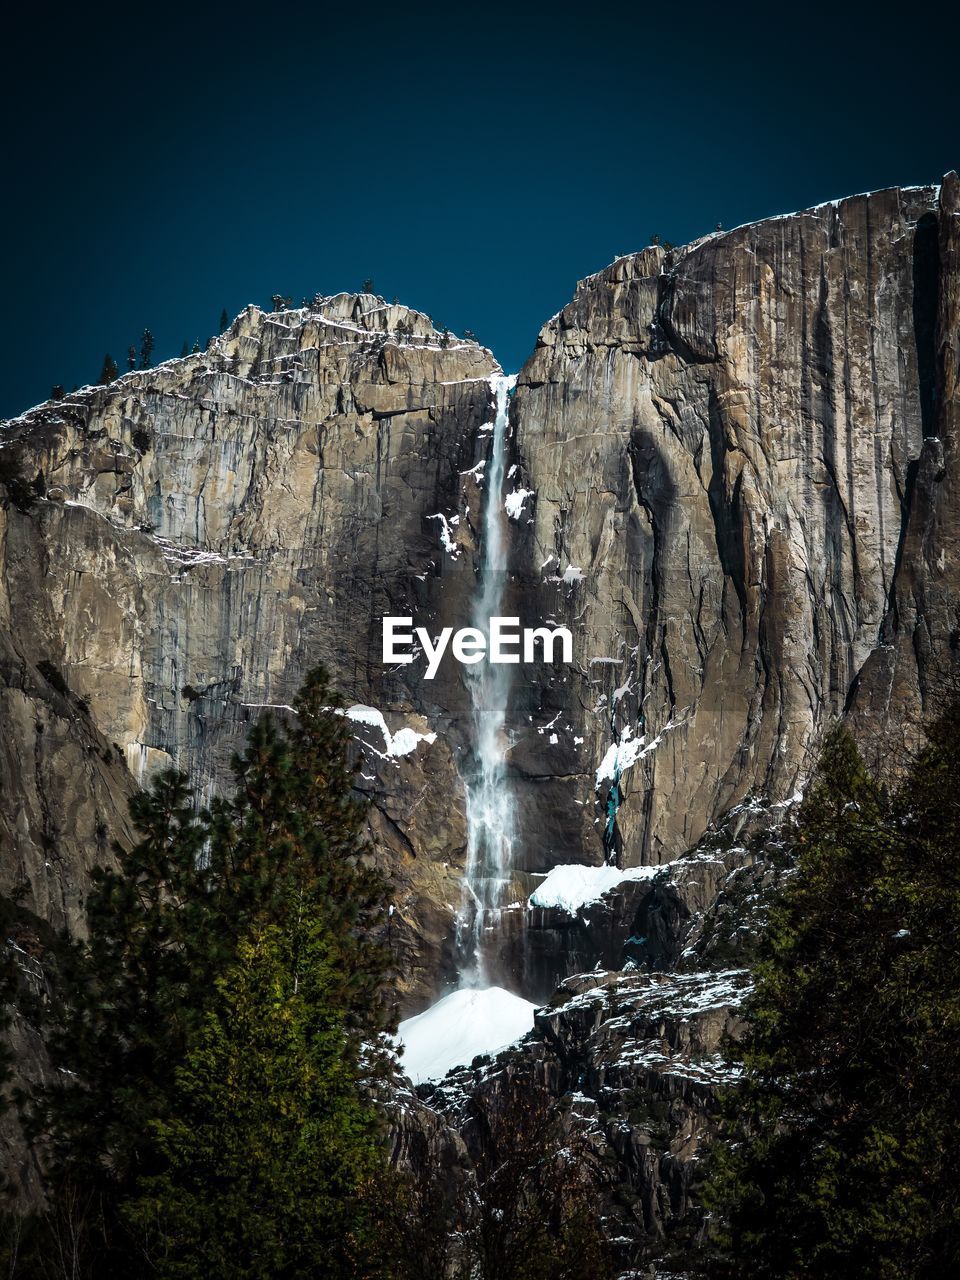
842	1151
224	320
131	358
185	349
147	343
57	391
268	897
293	833
109	372
270	1143
128	992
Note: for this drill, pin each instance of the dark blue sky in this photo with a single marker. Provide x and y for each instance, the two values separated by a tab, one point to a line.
161	163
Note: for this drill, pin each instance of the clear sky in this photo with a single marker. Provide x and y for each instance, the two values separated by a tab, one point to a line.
164	162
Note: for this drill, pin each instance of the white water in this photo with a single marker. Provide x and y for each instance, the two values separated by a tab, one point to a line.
491	828
478	1017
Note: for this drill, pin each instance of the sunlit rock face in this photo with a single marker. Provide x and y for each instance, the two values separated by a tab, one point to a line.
208	530
731	472
743	462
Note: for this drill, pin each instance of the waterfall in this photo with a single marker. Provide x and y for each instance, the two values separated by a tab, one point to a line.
491	828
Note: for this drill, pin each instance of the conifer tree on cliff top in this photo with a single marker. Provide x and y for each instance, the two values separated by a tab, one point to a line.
224	1025
843	1154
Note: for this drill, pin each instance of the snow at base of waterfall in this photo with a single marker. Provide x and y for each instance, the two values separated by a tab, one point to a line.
463	1024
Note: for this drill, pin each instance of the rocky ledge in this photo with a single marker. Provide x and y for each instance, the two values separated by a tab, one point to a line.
634	1061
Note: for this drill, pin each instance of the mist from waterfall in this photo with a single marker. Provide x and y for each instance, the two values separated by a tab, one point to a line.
491	819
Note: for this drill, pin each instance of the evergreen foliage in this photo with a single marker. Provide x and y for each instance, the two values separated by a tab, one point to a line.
109	371
147	343
842	1154
224	320
131	358
223	1028
270	1142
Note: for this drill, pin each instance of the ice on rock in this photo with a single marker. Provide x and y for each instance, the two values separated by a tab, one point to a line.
621	755
463	1024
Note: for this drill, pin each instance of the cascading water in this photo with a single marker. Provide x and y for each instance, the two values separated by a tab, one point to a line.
490	814
479	1017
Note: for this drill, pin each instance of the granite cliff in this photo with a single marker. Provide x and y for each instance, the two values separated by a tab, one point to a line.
204	532
733	472
742	458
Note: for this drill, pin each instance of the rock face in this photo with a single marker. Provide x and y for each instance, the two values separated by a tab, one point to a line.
734	478
920	635
743	462
204	532
637	1059
64	787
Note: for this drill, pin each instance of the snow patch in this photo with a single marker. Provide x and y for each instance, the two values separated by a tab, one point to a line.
622	691
446	540
571	887
621	755
463	1024
400	743
513	502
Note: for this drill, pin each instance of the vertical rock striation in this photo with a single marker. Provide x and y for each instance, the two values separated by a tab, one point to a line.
733	476
742	457
205	531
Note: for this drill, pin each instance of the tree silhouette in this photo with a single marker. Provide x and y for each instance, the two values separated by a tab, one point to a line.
147	343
